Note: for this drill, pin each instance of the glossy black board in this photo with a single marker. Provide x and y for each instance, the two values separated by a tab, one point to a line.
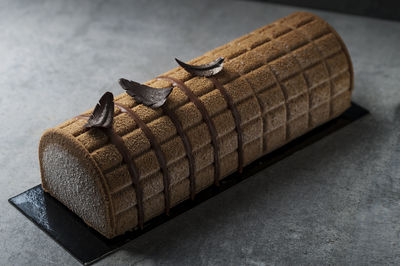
88	246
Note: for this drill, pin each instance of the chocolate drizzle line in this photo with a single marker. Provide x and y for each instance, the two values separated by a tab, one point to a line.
236	117
188	148
132	169
206	117
106	105
157	149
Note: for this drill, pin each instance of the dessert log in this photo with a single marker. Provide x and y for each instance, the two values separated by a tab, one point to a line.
141	153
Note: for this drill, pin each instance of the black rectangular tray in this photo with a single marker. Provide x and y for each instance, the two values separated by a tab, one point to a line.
88	246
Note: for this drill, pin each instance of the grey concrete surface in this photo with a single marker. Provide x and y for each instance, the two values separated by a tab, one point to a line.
335	202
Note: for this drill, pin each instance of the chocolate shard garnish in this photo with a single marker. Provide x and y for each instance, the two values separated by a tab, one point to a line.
206	70
103	113
149	96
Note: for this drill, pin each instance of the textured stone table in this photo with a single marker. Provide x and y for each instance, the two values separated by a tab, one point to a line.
337	201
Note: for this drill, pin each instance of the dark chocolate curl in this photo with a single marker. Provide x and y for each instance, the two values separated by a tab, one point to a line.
149	96
206	70
103	113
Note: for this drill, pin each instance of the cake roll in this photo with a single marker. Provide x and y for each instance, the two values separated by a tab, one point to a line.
275	84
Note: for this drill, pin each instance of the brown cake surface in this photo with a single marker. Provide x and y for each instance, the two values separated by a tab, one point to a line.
283	79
